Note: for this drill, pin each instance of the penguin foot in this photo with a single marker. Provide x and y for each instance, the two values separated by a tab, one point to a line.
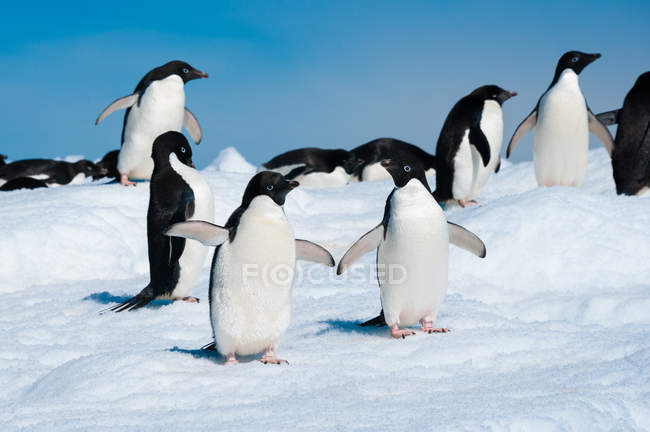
188	299
231	360
396	333
124	180
270	358
427	327
470	203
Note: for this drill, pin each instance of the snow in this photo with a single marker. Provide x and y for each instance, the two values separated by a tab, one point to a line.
551	331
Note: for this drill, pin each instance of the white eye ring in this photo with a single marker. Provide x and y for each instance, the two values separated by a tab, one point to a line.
182	149
575	59
407	168
185	70
269	187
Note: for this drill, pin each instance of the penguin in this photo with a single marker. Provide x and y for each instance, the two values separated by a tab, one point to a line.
412	243
178	193
252	269
52	172
562	121
315	167
22	183
109	163
156	106
469	145
631	154
3	159
373	152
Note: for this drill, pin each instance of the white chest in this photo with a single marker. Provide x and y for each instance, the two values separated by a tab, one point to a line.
338	177
492	126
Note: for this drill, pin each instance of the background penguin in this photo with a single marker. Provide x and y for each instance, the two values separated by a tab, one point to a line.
412	243
469	145
631	154
252	269
562	122
375	151
177	193
109	163
156	106
315	167
22	183
2	160
52	172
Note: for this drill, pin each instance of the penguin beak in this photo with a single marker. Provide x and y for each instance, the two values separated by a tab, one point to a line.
293	184
386	163
200	74
191	163
594	57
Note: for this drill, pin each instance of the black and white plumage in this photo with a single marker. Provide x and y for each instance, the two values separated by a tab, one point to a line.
562	122
3	159
51	172
315	167
377	150
412	243
109	163
631	154
157	105
252	269
22	183
468	148
178	193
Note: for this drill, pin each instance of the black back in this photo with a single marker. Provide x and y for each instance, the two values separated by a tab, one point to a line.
58	172
314	160
389	148
109	163
22	183
631	155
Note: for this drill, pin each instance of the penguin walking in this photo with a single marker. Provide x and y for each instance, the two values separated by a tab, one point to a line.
315	167
562	121
252	269
156	106
51	172
375	151
469	145
631	154
412	243
178	193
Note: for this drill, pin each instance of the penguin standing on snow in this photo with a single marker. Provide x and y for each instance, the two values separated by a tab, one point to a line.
412	243
469	145
156	106
177	193
631	154
375	151
562	122
252	269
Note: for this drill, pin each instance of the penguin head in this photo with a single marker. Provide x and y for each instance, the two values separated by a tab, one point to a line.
493	92
574	60
403	170
168	143
2	159
271	184
350	161
642	82
109	163
89	169
180	68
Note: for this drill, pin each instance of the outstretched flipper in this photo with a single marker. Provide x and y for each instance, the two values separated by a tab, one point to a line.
477	139
466	239
192	125
308	251
597	128
523	128
207	233
365	244
121	103
608	118
142	299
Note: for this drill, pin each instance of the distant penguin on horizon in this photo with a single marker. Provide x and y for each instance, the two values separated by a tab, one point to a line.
377	150
156	106
562	121
469	145
49	171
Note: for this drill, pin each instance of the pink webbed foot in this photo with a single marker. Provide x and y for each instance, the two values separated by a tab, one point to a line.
427	327
270	358
188	299
396	333
470	203
230	360
124	180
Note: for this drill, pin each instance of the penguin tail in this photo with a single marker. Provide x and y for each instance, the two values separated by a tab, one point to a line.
377	321
142	299
212	346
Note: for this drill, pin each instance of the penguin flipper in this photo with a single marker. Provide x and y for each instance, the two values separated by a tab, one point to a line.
207	233
466	239
308	251
136	302
477	139
498	167
212	346
527	124
599	129
608	118
378	321
365	244
121	103
301	170
192	125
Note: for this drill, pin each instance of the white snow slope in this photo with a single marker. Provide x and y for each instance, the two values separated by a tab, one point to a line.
550	332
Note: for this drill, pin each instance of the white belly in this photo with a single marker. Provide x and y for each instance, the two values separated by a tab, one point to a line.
463	170
253	276
413	257
317	180
561	134
492	127
161	109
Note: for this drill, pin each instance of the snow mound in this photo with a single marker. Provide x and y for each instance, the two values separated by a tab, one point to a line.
230	160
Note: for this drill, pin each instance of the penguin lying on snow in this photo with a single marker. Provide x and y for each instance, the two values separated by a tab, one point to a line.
252	269
315	167
156	106
412	243
562	122
375	151
631	154
177	193
109	163
22	183
469	145
52	172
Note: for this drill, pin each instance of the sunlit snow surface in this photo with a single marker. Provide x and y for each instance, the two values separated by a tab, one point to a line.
550	332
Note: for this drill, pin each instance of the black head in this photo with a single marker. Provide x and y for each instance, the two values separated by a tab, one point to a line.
271	184
493	92
642	82
109	163
574	60
350	161
89	169
175	67
168	143
2	159
403	170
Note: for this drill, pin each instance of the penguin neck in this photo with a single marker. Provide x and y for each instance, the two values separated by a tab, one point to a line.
413	190
566	78
264	206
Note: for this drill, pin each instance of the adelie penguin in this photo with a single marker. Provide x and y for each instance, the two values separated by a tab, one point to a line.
631	154
178	193
51	172
252	269
562	122
109	163
375	151
469	145
412	243
156	106
315	167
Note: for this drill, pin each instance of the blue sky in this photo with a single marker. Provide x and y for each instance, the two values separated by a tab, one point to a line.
294	74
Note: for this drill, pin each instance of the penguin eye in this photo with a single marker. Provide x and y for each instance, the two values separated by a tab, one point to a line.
407	168
575	59
182	149
185	70
269	187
